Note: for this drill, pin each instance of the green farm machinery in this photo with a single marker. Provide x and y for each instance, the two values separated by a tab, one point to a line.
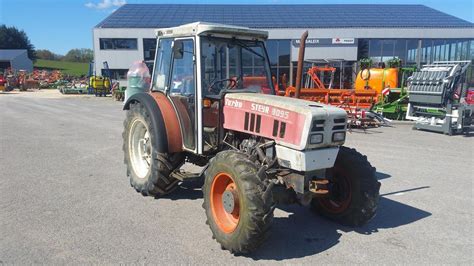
118	93
393	103
440	98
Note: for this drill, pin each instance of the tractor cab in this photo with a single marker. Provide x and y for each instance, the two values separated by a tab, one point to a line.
196	64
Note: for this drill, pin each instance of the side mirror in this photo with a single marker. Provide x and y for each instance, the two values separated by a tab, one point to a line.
178	49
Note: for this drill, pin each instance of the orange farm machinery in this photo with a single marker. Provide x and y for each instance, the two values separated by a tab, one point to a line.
378	93
357	102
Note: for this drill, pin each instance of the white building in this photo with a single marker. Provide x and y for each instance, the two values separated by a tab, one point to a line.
414	33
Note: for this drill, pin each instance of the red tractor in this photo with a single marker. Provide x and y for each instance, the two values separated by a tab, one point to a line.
212	103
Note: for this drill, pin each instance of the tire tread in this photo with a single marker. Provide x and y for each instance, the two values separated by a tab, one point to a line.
159	182
249	235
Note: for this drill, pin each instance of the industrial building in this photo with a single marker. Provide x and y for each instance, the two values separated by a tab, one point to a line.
15	59
342	34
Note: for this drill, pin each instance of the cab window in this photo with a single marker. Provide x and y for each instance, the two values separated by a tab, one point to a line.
163	64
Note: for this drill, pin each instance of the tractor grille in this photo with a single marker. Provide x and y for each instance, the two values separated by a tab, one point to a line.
318	125
339	124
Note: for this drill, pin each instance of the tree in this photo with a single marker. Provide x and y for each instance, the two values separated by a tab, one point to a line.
365	63
47	54
12	38
79	55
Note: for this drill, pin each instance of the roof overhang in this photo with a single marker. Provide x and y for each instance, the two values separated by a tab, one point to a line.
210	29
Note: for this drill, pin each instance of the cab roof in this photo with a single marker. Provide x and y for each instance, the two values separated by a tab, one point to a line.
209	29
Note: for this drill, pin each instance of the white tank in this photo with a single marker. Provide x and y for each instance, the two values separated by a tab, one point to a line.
138	79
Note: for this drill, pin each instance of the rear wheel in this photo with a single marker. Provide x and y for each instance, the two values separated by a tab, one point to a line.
236	211
149	171
354	190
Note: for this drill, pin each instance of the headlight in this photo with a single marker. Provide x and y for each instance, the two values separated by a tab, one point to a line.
338	136
316	139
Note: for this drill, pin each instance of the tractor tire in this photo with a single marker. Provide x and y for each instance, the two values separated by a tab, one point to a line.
149	170
237	213
354	195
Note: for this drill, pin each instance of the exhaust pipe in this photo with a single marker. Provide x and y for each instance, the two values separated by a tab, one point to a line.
299	70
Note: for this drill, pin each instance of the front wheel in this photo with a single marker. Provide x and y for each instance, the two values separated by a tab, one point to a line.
354	190
237	213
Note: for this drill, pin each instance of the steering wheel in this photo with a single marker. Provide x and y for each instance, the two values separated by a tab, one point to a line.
213	89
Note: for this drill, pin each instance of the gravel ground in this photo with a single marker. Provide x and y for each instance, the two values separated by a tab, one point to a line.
65	198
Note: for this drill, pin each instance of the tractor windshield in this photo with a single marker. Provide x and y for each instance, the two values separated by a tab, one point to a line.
234	65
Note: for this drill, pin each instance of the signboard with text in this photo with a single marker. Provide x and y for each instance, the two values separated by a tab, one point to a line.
343	40
315	42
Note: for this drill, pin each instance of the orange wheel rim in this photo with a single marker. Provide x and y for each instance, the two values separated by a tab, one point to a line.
342	200
225	203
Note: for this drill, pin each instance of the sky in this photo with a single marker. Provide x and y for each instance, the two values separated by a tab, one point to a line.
61	25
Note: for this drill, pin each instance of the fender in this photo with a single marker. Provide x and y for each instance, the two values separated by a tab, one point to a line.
163	118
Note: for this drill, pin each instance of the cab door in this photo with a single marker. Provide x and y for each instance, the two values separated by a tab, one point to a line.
182	88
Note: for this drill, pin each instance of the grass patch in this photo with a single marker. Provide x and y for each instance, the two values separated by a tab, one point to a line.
68	68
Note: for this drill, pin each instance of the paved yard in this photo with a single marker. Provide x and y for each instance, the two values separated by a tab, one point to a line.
65	198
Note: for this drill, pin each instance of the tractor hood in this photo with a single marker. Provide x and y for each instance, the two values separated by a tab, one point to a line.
290	122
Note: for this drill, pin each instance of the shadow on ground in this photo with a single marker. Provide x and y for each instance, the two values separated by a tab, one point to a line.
304	233
381	176
190	190
368	131
469	134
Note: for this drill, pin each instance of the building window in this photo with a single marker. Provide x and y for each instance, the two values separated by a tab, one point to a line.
117	74
470	71
382	50
439	50
388	49
118	44
472	50
412	51
465	50
272	50
149	49
284	47
362	49
443	50
375	50
426	51
400	49
454	51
